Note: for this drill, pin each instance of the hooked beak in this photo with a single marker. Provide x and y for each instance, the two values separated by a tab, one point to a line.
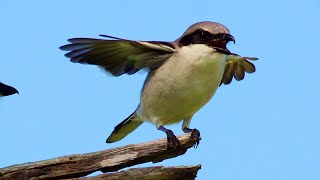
15	91
6	90
229	37
221	40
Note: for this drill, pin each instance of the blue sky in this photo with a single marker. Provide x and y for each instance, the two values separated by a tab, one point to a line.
264	127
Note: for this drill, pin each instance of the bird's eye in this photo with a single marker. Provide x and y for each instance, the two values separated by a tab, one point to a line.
203	35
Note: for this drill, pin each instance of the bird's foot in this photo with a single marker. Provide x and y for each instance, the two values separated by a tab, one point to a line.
195	136
172	140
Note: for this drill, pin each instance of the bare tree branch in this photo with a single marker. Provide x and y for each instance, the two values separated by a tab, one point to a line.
157	172
109	160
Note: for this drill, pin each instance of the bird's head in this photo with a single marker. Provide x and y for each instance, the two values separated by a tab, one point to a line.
209	33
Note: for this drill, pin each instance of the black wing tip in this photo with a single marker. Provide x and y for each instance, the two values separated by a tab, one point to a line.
112	37
75	40
238	79
226	83
64	47
76	60
229	81
250	72
72	39
252	58
109	141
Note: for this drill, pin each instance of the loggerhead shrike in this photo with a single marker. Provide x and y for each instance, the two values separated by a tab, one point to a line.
183	75
6	90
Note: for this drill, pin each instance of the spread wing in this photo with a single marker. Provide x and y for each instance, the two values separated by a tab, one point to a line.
118	56
236	66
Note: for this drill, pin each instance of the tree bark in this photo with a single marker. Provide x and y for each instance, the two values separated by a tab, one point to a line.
80	165
156	172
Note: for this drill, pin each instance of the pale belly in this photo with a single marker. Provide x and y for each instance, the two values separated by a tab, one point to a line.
180	87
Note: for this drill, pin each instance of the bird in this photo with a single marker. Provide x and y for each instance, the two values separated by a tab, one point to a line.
6	90
183	75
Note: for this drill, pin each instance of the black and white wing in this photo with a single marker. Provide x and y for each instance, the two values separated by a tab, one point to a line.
118	56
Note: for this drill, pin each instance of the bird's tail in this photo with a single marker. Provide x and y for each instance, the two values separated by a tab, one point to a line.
124	128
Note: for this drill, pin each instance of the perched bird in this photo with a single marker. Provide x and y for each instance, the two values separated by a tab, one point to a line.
183	75
6	90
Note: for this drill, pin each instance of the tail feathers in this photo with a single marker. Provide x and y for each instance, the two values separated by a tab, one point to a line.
124	128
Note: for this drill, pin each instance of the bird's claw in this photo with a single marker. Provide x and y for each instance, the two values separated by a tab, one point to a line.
172	140
195	135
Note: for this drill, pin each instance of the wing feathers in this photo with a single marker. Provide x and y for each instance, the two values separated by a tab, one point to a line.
73	47
239	72
236	66
118	56
248	66
228	73
78	52
84	40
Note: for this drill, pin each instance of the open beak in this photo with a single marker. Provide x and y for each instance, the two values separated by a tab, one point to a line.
15	91
229	37
6	90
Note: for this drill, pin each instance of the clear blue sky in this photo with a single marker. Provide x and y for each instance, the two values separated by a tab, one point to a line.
264	127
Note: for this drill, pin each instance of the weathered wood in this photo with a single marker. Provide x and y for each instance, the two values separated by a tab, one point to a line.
109	160
156	172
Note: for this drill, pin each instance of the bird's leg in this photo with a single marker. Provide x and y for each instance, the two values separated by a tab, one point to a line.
195	133
172	140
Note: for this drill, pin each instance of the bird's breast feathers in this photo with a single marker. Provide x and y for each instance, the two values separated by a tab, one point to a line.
183	84
200	57
197	69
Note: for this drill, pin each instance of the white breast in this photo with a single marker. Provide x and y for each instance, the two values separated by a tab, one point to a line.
182	85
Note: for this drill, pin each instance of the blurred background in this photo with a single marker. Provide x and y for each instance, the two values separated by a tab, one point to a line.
264	127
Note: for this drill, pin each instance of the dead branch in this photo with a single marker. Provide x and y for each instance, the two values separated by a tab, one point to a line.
157	172
80	165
